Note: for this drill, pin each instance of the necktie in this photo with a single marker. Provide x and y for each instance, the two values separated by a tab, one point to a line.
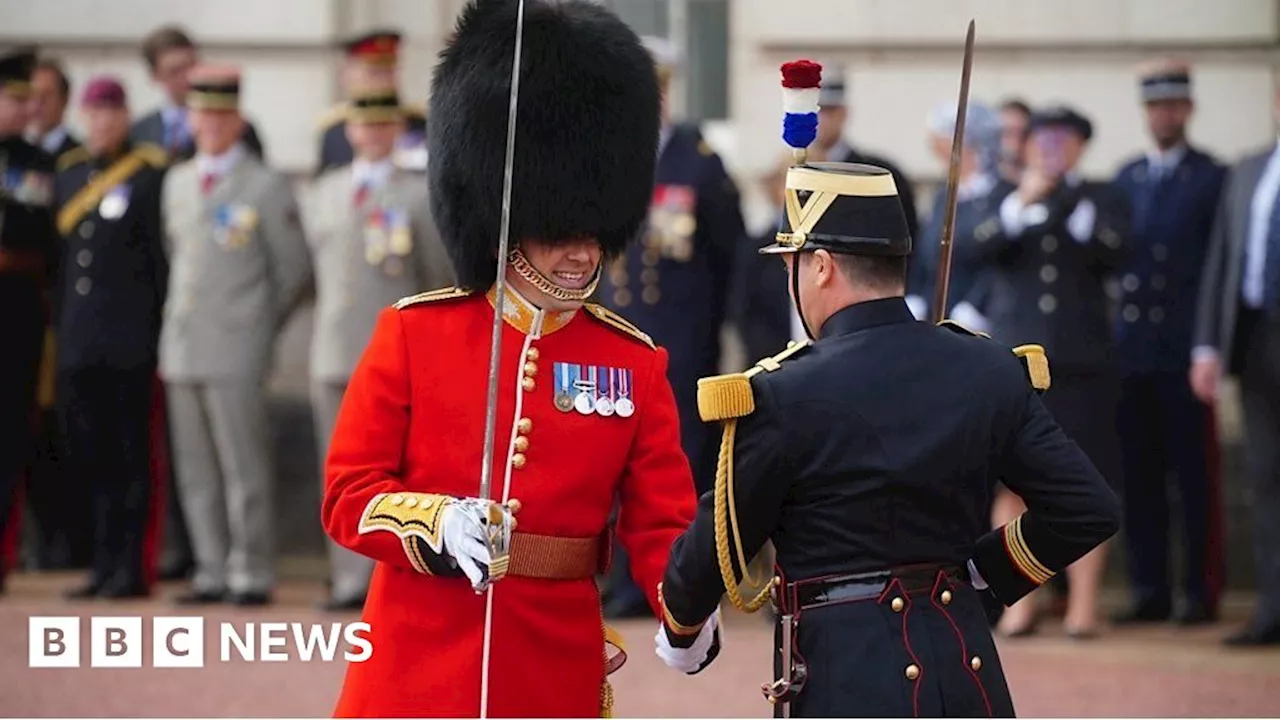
207	181
1271	261
362	194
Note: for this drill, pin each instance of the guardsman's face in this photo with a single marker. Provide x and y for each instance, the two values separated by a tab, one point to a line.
13	113
171	71
571	265
216	131
47	104
107	129
374	141
1167	121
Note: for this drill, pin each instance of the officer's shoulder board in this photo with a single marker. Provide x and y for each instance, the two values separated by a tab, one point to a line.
152	154
332	116
722	397
72	157
619	323
1032	356
432	296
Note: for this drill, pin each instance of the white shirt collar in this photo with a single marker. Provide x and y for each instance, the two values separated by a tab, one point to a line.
1166	159
372	174
220	165
52	140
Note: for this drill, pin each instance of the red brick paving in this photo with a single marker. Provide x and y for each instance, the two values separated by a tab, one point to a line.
1149	673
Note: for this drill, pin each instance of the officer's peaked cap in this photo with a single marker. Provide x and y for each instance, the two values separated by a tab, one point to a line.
848	208
586	131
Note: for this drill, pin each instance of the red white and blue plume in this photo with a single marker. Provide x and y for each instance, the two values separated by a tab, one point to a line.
801	81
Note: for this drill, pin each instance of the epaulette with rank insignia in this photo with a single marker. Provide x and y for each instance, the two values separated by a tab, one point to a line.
430	296
616	321
721	397
72	157
152	154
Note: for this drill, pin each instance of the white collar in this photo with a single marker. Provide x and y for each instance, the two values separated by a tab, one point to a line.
220	165
52	140
1167	159
373	174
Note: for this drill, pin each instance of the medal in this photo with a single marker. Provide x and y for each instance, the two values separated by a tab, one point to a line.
624	407
401	240
564	403
374	253
115	203
604	399
584	402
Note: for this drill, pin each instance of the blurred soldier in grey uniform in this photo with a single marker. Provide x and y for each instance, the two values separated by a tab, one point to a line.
239	264
374	241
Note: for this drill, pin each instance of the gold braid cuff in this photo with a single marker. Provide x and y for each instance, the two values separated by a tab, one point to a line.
1020	553
408	515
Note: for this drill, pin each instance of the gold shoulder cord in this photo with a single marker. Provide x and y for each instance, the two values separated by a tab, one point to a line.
726	398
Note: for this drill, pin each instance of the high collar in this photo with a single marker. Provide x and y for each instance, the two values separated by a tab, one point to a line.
220	165
52	140
869	314
527	317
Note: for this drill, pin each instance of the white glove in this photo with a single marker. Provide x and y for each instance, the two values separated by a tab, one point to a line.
693	658
465	538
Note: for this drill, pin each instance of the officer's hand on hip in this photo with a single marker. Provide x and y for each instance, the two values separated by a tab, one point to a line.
692	659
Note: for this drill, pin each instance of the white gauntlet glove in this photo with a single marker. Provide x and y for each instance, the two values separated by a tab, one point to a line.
693	659
475	535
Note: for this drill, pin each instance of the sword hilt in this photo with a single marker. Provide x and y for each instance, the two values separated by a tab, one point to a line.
500	523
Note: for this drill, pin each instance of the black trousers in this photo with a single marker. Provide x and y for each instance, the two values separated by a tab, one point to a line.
22	328
106	416
1259	371
1164	434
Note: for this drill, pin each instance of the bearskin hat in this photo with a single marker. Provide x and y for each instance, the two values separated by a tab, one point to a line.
586	137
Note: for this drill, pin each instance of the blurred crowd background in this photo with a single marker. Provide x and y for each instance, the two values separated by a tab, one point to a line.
892	70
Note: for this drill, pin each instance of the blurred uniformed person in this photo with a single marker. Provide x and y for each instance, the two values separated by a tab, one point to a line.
674	284
28	255
1164	429
47	106
373	241
239	264
867	457
111	296
372	60
1055	242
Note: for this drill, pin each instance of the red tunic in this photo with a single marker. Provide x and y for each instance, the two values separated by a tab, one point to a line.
413	421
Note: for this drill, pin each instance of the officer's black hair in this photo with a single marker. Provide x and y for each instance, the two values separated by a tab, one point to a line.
167	37
1016	104
883	273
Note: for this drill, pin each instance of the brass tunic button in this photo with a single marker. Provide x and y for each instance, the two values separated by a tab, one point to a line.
84	285
86	230
533	354
84	258
913	672
397	499
651	295
525	425
518	460
1048	273
1049	243
1048	304
898	604
976	663
622	297
528	384
531	369
522	443
1131	282
945	597
1132	313
411	502
649	276
650	257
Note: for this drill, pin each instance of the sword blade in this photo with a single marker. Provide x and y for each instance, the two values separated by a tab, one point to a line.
942	285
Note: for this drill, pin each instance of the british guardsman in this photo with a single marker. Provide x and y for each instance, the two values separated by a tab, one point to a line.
28	257
239	267
371	60
111	294
1165	431
875	501
373	241
584	414
675	285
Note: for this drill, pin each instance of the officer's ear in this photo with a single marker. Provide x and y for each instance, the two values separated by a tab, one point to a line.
824	268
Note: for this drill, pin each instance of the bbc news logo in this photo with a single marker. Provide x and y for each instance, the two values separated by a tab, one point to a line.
179	642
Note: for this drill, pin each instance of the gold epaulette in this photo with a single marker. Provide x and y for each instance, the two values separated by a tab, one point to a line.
954	326
152	154
72	157
617	322
332	116
448	293
1033	356
721	397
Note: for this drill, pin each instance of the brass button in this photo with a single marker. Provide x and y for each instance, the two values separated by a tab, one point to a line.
1132	313
425	504
976	663
913	672
86	230
651	295
1048	273
397	499
650	257
528	384
531	369
898	604
1131	282
518	460
1048	303
84	285
945	597
524	426
410	502
618	275
622	297
1049	243
522	443
532	354
84	258
649	276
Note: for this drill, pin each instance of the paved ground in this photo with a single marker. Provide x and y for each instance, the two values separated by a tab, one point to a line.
1149	673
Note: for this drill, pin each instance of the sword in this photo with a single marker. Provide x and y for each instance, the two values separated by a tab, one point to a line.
941	285
500	518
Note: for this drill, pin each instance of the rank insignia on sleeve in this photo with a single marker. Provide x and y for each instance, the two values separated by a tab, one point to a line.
594	389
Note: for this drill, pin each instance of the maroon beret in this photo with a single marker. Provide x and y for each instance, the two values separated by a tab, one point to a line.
103	91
